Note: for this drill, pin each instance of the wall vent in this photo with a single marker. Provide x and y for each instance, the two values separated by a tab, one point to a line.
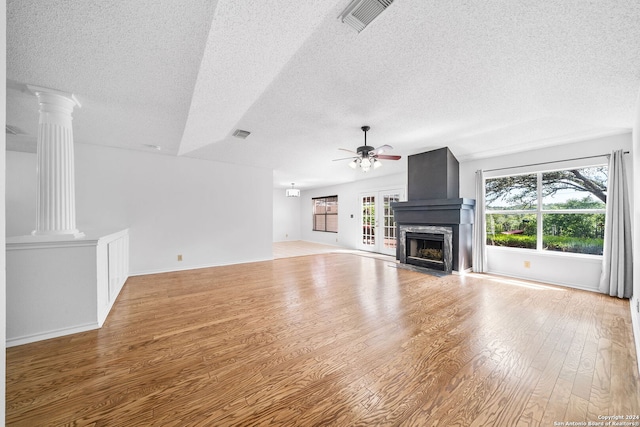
361	13
13	130
239	133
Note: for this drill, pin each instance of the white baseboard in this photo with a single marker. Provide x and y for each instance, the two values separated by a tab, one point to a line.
550	282
27	339
194	267
635	320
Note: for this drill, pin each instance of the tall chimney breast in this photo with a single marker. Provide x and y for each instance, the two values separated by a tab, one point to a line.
433	175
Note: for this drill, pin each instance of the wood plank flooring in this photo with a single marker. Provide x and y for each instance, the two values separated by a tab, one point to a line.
333	339
294	248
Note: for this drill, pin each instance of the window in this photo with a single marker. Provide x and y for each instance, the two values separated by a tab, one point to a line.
325	214
560	211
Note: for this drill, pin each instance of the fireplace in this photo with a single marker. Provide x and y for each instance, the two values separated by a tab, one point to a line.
426	246
435	219
426	249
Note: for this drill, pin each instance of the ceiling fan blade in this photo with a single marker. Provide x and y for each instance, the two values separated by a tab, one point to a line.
383	148
349	151
388	157
345	158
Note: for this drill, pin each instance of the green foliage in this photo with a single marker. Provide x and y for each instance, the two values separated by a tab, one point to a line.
512	240
500	223
574	225
563	232
551	243
573	244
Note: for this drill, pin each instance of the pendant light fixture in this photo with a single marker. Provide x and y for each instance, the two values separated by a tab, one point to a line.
293	192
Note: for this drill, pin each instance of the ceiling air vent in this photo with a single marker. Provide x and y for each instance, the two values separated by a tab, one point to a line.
239	133
13	130
361	13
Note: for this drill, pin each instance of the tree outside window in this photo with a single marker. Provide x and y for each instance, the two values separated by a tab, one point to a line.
559	211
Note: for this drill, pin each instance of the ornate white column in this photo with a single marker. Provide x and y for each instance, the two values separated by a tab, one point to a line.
56	199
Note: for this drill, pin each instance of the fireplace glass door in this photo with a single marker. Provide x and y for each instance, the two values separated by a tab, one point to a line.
378	227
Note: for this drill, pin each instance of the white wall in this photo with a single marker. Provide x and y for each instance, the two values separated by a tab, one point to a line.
349	230
3	287
635	299
286	217
570	270
211	213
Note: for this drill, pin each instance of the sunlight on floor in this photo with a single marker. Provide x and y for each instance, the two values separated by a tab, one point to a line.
516	282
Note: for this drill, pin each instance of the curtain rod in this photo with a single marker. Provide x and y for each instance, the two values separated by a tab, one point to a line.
546	163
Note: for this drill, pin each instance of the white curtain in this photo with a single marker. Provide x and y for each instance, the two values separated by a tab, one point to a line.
479	240
617	273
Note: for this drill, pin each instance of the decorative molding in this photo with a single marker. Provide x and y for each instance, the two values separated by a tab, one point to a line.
62	240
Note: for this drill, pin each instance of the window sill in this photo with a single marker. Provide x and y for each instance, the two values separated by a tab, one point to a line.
543	253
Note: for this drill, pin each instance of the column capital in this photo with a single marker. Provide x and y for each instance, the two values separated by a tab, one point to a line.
54	94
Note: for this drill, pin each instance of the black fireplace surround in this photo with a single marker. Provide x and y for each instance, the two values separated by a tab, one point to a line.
435	208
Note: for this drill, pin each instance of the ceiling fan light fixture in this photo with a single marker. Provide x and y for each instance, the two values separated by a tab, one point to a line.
365	164
366	156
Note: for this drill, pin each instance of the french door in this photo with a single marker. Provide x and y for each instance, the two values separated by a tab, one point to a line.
378	227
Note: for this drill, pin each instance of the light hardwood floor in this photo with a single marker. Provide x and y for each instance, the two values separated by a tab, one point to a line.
333	339
295	248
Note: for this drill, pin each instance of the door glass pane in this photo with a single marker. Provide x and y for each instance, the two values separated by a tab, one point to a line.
389	221
368	220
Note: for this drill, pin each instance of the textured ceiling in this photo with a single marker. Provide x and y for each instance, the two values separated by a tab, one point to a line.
481	77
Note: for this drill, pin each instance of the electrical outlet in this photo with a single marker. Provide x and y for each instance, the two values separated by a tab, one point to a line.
180	257
527	264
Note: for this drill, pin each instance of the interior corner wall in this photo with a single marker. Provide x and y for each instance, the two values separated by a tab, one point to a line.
349	230
574	271
286	217
171	205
